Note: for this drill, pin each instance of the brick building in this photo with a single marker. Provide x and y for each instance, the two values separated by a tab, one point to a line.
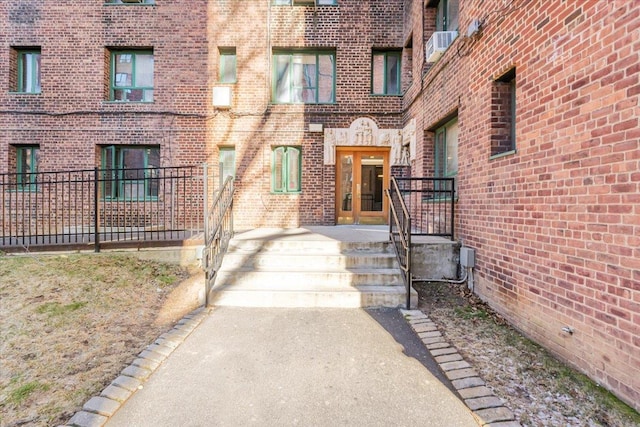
532	105
537	116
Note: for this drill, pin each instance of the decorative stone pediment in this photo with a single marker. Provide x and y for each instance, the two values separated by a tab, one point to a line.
364	132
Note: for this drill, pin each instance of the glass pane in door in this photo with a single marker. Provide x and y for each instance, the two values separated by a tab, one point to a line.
346	182
372	183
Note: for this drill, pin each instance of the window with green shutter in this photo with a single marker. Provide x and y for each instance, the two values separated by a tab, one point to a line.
286	169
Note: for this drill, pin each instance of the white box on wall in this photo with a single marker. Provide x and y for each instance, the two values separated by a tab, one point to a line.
222	96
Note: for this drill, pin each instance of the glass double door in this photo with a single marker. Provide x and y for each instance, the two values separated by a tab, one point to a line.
361	178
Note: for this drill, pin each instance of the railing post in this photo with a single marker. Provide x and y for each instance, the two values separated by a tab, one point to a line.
408	262
205	175
206	251
96	214
453	206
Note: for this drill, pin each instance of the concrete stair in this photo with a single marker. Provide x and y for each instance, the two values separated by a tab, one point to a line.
309	273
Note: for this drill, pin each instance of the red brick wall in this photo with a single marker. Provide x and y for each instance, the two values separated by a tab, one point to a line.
72	116
555	224
253	125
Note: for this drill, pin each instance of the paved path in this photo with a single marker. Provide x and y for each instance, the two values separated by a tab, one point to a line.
308	367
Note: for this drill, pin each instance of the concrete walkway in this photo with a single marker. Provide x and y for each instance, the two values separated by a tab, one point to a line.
308	367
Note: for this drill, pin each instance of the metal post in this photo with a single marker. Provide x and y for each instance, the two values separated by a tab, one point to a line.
96	215
453	206
205	254
205	172
410	276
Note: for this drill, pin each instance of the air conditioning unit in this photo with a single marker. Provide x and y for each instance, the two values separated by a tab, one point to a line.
439	43
222	96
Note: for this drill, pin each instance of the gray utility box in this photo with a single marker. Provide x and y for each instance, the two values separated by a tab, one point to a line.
467	257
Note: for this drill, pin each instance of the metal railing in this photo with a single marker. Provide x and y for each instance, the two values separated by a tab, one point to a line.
418	207
218	232
101	206
431	204
400	235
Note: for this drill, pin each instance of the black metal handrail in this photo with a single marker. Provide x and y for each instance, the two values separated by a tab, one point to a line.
400	234
431	203
100	206
418	207
218	232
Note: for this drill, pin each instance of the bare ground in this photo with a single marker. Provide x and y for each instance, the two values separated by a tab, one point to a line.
71	323
539	389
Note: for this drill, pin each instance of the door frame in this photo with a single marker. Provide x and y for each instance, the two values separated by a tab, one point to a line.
356	215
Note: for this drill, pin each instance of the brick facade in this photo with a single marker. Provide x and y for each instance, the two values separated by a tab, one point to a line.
555	222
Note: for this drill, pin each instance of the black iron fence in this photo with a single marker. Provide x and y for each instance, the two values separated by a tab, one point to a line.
431	205
102	206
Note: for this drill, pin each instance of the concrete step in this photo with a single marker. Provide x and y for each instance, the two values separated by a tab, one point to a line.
282	269
329	278
244	260
307	246
355	297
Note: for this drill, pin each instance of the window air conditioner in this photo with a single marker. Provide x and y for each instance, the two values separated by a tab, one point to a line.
222	96
438	44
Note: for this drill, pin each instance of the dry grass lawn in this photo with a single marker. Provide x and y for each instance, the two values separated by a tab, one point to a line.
70	324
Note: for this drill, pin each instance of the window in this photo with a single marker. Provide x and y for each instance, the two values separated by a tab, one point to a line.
132	76
304	2
227	65
131	1
447	15
227	163
385	73
29	71
304	77
503	111
286	167
446	150
130	172
27	159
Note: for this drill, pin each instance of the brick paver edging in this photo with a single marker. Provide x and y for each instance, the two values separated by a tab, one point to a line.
97	411
489	410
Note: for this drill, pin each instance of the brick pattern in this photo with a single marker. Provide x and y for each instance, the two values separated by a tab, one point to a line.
556	224
488	409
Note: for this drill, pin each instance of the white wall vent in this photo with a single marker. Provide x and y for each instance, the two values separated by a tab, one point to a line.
439	43
222	96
